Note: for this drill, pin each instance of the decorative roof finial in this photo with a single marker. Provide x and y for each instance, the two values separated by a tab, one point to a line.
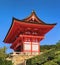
33	11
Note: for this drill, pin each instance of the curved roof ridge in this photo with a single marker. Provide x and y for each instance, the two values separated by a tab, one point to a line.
36	17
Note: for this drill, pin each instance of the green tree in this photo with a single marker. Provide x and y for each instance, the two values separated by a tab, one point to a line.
50	63
3	56
58	45
5	62
2	52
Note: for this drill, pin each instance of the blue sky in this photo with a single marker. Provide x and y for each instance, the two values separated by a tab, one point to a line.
46	10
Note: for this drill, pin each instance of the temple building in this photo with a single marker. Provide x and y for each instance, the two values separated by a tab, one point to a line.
25	35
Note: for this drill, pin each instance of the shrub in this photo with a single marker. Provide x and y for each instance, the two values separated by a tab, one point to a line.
50	63
5	62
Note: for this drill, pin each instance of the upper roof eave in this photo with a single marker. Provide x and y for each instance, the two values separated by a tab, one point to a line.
30	23
22	22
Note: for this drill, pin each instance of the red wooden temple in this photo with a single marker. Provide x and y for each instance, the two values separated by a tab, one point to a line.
25	35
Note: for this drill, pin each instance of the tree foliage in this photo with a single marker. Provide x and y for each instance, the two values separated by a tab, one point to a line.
2	52
50	56
3	57
5	62
50	63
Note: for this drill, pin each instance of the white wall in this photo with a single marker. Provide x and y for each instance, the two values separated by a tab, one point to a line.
27	47
34	47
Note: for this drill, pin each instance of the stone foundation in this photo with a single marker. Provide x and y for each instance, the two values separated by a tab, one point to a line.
19	58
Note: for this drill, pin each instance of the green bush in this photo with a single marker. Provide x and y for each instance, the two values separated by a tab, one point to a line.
5	62
50	63
46	57
3	57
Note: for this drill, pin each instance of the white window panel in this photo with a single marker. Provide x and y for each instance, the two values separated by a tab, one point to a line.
34	47
27	47
27	42
34	42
